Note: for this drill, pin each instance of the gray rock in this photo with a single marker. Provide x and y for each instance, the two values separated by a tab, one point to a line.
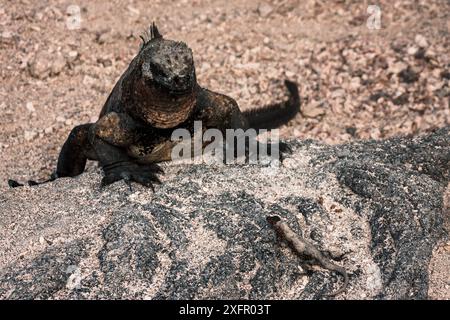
203	233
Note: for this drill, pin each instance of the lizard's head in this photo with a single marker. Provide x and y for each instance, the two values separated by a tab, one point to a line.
166	84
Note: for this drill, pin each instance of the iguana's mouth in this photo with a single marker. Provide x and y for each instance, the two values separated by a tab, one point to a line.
179	92
176	91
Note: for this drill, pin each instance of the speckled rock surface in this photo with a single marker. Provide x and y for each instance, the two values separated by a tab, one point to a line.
203	233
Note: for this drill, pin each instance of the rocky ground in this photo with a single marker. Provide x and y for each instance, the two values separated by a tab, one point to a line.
377	205
60	59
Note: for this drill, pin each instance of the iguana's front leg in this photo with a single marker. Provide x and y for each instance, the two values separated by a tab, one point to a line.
118	165
82	144
110	138
106	141
75	151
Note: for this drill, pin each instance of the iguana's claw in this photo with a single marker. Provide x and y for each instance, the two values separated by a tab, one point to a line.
285	150
14	184
145	175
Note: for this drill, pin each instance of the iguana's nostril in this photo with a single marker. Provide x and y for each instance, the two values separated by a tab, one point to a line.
177	80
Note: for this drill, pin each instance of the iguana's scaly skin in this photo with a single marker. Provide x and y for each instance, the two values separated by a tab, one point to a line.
157	94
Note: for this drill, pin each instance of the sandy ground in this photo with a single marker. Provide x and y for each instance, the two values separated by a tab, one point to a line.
60	59
57	66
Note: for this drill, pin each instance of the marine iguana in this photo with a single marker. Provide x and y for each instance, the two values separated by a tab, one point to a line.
157	94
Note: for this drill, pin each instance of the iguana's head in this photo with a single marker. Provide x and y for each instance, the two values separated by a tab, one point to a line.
165	84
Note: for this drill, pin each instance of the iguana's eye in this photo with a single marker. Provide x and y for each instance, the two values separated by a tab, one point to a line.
146	71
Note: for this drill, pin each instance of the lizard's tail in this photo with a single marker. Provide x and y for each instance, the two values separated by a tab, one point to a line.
275	115
332	266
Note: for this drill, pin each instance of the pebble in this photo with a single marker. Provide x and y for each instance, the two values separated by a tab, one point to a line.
421	41
44	65
74	280
30	107
104	37
58	65
39	67
264	10
290	74
133	10
104	62
397	67
338	93
355	83
89	81
72	56
401	99
412	50
60	119
313	109
7	37
29	135
408	75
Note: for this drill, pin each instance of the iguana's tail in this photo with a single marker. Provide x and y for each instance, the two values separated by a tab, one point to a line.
275	115
15	184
